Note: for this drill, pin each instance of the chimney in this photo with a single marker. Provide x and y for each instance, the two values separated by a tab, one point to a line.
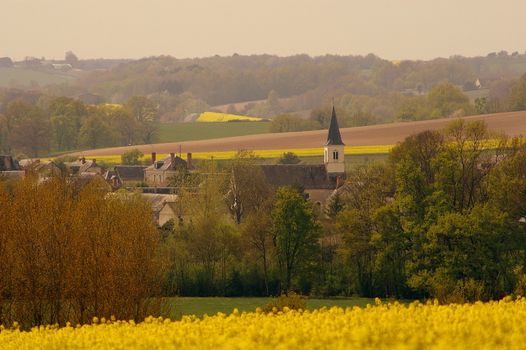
172	160
154	157
189	160
83	160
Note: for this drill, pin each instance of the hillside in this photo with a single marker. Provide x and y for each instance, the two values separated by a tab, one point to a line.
513	124
30	78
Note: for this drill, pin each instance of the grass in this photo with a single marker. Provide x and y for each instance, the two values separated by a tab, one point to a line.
176	132
211	306
27	77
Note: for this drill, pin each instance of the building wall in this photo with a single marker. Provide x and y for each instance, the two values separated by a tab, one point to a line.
155	177
166	214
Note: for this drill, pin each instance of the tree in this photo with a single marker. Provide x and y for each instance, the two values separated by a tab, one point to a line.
481	105
444	99
248	188
71	58
145	113
289	158
334	206
29	128
295	233
96	132
131	157
517	99
273	102
257	234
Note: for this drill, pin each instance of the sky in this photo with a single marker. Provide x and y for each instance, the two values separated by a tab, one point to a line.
391	29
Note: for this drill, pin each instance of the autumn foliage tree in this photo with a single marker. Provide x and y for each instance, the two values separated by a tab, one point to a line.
70	254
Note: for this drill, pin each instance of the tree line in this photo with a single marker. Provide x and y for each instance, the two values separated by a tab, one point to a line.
184	86
70	253
35	124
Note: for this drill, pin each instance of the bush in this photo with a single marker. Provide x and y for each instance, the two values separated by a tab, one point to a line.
292	301
289	158
131	157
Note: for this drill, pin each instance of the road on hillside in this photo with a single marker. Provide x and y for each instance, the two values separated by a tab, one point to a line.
512	123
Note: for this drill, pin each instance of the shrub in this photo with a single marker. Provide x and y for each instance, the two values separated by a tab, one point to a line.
292	301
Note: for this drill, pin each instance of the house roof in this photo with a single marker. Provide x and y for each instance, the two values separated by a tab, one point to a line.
334	137
8	163
157	201
166	164
130	172
309	176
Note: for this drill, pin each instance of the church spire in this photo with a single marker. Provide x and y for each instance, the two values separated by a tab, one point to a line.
334	138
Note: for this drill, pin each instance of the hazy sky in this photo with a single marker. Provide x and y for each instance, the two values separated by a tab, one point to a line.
392	29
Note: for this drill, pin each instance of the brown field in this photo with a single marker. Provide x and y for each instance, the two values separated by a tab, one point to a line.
513	124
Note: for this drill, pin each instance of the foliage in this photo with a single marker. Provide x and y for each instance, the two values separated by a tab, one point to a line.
517	98
292	301
295	233
442	218
37	125
65	258
493	325
131	157
287	123
289	158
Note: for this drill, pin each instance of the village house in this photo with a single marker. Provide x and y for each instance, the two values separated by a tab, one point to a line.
85	167
43	170
160	173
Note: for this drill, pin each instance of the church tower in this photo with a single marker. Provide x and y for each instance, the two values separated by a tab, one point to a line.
334	149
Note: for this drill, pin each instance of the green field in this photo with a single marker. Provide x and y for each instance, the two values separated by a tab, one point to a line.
27	77
210	306
174	132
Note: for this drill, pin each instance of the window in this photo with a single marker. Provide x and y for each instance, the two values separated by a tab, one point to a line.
335	155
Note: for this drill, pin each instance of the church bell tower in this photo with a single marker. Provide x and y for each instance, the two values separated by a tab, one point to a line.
334	149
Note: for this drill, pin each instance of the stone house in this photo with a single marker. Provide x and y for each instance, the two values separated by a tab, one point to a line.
160	172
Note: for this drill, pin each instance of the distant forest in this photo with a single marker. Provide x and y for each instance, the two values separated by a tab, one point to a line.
296	91
366	85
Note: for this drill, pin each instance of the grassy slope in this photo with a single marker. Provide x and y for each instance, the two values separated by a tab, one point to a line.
211	306
21	76
174	132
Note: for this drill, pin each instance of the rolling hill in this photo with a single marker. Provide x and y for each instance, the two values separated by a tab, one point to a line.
512	123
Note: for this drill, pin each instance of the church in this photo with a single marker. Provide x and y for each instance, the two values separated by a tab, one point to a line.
318	180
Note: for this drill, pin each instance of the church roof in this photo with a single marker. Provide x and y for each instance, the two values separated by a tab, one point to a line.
309	176
130	172
334	137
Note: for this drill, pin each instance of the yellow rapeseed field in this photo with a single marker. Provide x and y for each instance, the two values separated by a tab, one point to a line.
273	153
494	325
216	117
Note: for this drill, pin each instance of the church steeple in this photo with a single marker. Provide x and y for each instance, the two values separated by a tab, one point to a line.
334	138
334	150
